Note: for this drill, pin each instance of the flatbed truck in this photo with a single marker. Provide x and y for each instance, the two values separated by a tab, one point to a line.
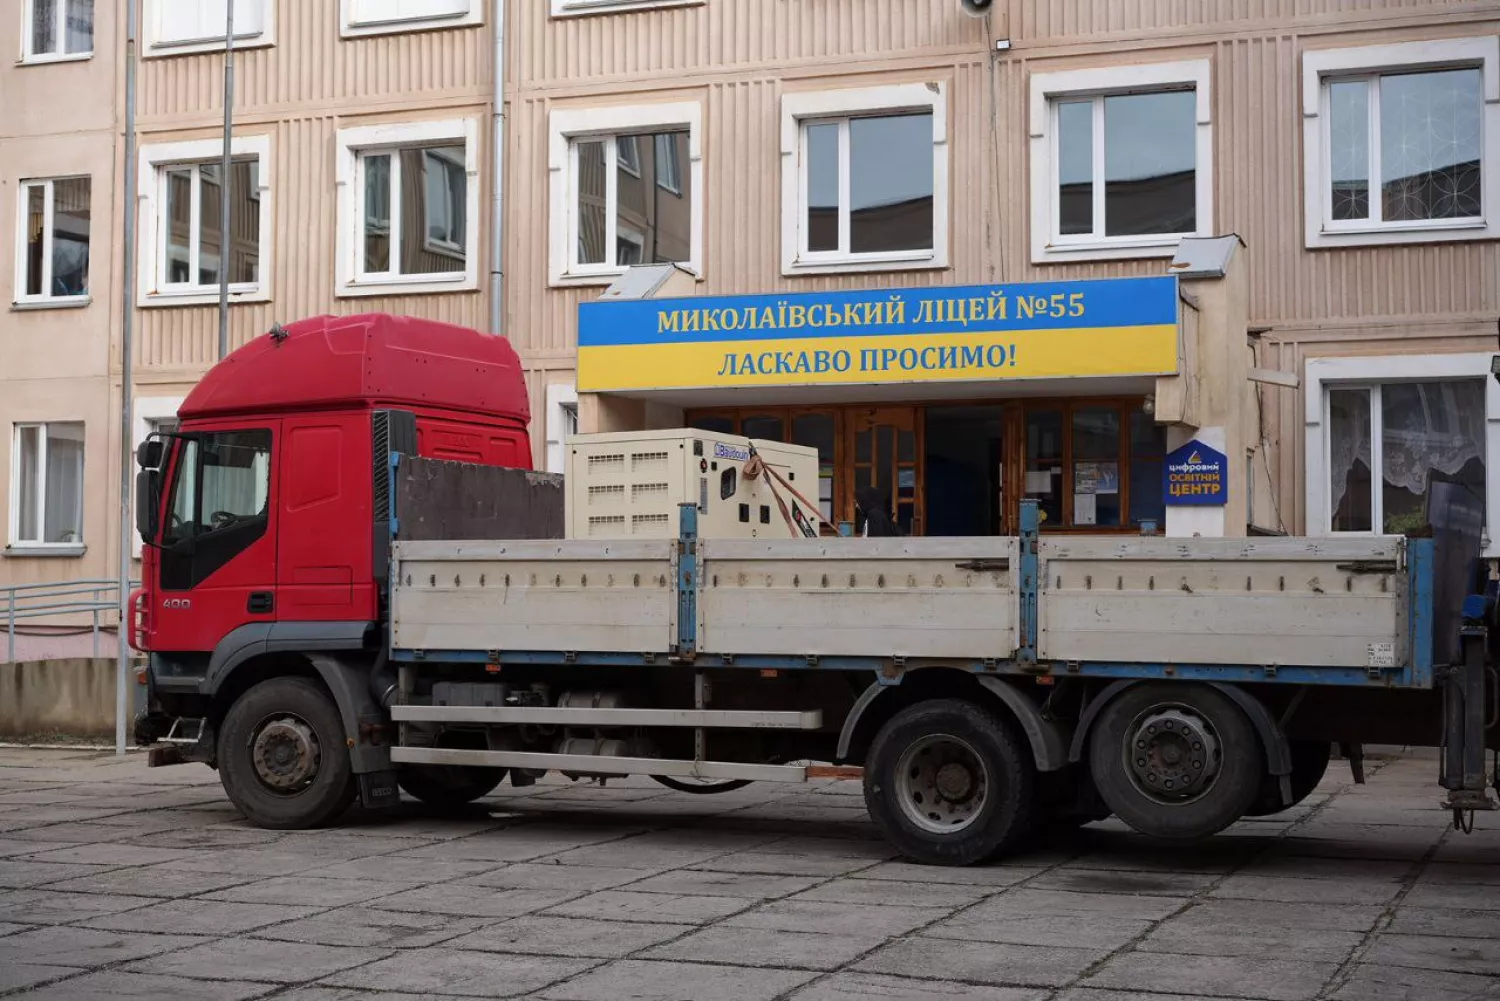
353	584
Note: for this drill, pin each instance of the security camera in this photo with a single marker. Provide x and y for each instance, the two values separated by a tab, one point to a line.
976	8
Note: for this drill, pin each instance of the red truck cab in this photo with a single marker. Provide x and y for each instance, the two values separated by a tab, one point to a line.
265	515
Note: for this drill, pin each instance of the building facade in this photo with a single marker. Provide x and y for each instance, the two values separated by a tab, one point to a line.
786	152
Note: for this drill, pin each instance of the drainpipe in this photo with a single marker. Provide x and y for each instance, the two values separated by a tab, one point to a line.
497	180
127	420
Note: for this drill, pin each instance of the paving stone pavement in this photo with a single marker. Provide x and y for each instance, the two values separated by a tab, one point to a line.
119	881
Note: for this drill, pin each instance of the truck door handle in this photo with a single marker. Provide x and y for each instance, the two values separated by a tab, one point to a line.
261	603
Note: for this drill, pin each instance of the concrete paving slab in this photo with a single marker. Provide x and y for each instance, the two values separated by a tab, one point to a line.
1151	884
1214	976
200	917
452	972
49	907
556	876
114	985
999	964
167	881
756	886
1196	934
909	893
640	980
365	927
835	919
18	874
977	876
1436	952
1450	921
861	986
14	976
11	847
664	908
308	891
577	937
1027	902
761	947
789	864
1292	890
1310	917
1372	982
471	901
396	869
1479	897
1097	932
84	947
256	959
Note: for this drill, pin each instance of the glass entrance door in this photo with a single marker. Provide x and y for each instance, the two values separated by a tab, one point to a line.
884	450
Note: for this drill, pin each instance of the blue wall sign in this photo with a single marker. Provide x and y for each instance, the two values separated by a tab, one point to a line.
1196	475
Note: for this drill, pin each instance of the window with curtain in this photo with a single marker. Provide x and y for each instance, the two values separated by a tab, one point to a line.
47	485
1389	443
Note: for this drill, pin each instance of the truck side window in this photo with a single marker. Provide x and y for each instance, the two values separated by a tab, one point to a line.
220	489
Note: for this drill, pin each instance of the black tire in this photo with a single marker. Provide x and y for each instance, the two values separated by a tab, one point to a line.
1223	783
1309	764
315	788
995	812
447	788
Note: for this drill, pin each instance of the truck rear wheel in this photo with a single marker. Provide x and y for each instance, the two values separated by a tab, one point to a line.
1176	761
445	788
283	758
948	783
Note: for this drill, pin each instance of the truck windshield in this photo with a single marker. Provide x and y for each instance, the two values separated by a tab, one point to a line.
220	485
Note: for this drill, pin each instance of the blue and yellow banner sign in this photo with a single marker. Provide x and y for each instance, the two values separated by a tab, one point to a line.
1196	476
981	333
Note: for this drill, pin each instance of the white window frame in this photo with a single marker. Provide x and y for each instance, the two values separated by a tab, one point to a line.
31	545
562	419
1324	374
1049	88
569	125
859	102
30	57
1321	65
582	8
23	215
151	242
352	145
156	47
350	27
148	411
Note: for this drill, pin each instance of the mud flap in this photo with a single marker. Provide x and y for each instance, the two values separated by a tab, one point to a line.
378	790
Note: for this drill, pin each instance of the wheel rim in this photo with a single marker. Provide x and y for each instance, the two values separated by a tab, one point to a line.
285	753
942	784
1171	753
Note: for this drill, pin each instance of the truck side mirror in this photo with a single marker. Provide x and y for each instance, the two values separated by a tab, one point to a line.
148	502
149	454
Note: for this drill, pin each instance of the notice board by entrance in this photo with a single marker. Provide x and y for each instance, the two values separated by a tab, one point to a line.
981	333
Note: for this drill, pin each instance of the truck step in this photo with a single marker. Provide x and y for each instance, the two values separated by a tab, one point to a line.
600	764
548	715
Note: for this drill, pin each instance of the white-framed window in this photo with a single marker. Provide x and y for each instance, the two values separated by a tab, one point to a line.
176	27
1402	142
46	485
1392	439
153	415
52	246
626	187
182	237
407	195
384	17
864	182
57	31
562	424
1121	160
578	8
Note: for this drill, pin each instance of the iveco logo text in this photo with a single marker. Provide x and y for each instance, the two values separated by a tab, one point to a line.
730	452
177	603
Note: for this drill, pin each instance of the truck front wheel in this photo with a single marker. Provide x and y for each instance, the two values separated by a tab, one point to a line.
283	759
948	783
1176	761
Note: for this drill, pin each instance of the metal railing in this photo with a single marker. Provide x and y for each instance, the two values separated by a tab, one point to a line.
27	603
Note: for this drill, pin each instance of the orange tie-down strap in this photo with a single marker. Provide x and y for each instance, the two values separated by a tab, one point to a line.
801	528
